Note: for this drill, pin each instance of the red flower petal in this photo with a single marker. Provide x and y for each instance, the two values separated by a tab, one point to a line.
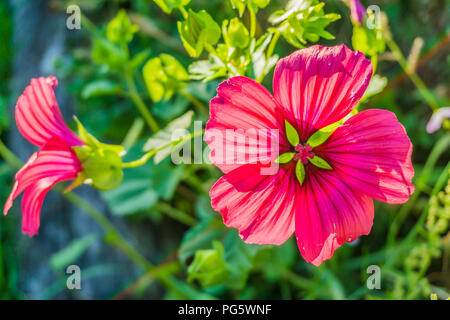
240	110
372	153
318	86
329	213
260	206
38	115
55	162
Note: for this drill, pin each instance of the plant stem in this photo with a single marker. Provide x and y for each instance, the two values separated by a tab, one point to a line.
140	104
9	157
176	214
269	53
252	23
197	103
425	92
143	160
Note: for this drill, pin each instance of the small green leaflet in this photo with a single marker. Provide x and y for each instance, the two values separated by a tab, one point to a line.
285	157
300	172
291	134
319	162
321	135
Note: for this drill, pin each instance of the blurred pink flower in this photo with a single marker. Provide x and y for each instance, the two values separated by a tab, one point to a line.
357	11
369	154
436	119
40	121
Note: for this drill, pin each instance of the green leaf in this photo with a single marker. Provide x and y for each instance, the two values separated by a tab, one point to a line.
303	21
106	53
239	5
164	76
209	266
120	29
200	237
60	260
376	85
285	157
319	162
164	137
240	257
168	5
100	88
198	29
291	134
300	172
321	135
207	70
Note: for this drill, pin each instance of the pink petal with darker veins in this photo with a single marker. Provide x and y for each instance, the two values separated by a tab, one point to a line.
318	86
38	116
329	213
55	162
240	112
261	207
372	153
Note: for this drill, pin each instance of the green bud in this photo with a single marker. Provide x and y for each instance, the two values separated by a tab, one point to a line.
164	76
120	29
198	29
237	34
102	163
209	266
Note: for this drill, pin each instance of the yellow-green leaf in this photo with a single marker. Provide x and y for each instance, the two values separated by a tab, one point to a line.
321	135
291	134
300	172
319	162
285	157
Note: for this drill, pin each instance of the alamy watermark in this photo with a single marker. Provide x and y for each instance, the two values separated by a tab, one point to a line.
74	280
374	280
73	21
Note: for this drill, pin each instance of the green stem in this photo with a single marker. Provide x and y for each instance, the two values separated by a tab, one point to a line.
9	157
143	160
133	134
140	104
183	12
269	53
197	103
252	23
426	94
176	214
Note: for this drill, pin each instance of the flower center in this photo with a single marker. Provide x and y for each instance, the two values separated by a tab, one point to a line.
303	153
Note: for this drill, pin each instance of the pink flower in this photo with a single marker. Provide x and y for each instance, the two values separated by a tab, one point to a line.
40	121
435	122
368	156
357	11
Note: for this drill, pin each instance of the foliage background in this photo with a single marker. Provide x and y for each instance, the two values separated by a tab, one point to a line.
410	243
